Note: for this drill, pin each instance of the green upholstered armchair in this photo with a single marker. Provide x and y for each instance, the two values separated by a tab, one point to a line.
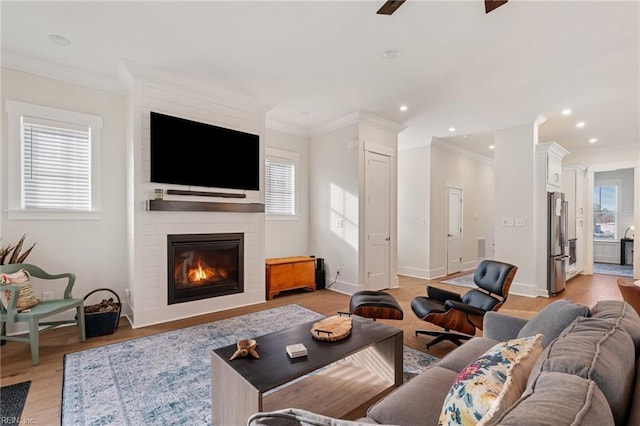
44	309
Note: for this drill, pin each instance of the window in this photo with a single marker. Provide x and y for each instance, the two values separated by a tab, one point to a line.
605	212
53	163
280	182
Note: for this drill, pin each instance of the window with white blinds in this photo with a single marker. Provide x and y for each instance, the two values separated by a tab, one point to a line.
53	163
280	178
56	164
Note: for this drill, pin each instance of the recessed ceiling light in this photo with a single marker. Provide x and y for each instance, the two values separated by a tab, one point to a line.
58	39
566	111
452	129
492	147
580	124
403	108
391	54
593	140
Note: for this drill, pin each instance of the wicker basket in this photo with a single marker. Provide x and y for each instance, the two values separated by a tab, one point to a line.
101	323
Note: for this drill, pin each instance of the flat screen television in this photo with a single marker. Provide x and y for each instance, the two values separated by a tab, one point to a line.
186	152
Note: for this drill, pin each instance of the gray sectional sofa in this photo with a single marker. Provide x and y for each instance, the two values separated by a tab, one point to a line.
586	375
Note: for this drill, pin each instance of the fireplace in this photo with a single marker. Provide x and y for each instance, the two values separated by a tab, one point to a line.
204	265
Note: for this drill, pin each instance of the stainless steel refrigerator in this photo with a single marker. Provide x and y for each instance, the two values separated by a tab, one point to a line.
557	242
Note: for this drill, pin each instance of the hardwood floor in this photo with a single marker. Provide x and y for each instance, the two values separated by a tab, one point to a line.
44	399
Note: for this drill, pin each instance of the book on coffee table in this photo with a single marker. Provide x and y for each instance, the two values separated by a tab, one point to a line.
297	350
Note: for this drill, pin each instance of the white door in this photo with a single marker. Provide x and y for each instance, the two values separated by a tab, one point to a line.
454	230
377	193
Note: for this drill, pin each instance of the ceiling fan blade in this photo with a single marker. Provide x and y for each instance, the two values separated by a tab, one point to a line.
389	7
490	5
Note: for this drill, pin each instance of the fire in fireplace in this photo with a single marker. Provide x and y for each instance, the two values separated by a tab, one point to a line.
204	265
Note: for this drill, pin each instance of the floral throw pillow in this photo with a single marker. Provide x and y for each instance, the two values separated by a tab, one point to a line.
492	383
26	298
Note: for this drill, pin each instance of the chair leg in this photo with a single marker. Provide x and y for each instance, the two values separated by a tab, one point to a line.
81	329
34	340
441	336
3	332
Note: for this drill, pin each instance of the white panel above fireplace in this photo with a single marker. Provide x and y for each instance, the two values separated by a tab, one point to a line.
147	230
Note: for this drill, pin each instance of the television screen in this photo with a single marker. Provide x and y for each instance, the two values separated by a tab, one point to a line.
186	152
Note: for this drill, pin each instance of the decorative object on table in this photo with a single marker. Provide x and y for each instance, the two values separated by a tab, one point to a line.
11	254
102	318
297	350
246	347
159	193
332	328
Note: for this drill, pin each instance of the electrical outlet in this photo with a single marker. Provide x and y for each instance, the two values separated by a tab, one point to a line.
338	270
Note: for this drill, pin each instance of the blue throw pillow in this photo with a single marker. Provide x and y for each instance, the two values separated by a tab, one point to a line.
554	318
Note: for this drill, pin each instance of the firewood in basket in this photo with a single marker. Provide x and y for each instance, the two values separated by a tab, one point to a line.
104	306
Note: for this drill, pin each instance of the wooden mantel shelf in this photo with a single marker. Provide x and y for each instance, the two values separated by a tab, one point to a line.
204	206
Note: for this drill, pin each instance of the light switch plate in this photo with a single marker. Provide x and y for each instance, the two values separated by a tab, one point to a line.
507	221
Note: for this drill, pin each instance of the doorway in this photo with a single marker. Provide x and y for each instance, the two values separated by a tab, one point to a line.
454	230
613	195
377	221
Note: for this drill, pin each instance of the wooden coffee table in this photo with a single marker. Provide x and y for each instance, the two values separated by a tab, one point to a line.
359	370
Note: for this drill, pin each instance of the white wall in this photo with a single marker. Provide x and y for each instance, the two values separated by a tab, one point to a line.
413	212
515	191
290	237
92	249
333	185
475	176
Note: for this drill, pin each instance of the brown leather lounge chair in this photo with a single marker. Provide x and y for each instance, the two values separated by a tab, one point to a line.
465	313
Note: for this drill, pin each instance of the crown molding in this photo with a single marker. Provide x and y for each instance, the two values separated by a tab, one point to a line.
336	124
381	122
467	153
575	166
64	73
355	118
291	129
161	77
552	147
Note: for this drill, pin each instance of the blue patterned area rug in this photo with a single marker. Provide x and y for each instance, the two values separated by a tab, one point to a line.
613	269
165	379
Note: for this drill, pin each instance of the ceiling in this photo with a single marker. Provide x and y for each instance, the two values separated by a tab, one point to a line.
316	61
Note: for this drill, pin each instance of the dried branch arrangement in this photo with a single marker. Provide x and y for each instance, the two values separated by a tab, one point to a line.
11	253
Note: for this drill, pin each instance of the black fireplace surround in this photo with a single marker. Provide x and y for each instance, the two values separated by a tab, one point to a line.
201	266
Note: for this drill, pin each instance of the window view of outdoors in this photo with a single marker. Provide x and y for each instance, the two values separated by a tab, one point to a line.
605	205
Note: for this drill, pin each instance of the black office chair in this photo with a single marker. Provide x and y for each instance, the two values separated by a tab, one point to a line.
465	313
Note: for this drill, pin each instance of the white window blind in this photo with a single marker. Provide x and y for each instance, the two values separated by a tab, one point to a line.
280	186
56	165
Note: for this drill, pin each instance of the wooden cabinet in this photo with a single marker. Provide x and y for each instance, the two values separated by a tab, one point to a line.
288	273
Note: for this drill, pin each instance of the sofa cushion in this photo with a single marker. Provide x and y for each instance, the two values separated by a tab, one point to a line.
552	319
492	383
558	399
416	402
597	350
623	313
465	354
